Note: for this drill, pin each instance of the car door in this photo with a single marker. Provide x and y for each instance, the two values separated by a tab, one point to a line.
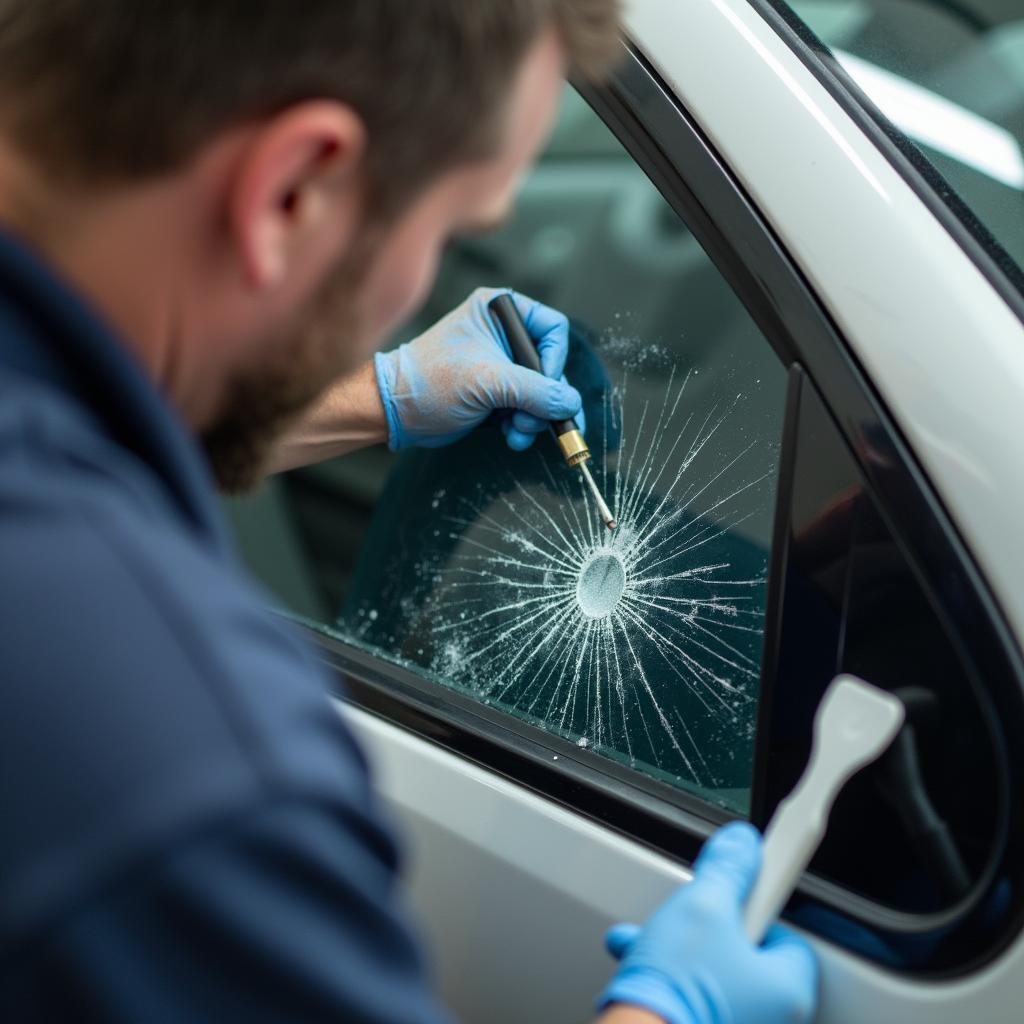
768	329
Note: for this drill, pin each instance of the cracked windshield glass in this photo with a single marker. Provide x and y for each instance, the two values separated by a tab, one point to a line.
949	76
489	571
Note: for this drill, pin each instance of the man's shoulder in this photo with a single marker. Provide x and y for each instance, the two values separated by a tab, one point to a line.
147	690
111	602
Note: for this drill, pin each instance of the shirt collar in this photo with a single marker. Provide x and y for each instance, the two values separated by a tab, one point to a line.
64	342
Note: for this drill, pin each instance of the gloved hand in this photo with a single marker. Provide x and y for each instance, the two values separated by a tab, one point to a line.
692	962
439	386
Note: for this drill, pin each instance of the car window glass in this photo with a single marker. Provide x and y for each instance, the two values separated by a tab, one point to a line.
949	75
487	570
917	840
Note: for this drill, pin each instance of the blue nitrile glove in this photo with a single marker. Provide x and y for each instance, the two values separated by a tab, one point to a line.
692	962
439	386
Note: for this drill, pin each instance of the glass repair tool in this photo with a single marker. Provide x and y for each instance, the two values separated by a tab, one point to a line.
855	724
566	432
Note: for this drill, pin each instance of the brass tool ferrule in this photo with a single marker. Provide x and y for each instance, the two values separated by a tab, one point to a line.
574	448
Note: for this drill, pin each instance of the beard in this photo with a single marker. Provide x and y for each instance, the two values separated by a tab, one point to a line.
262	402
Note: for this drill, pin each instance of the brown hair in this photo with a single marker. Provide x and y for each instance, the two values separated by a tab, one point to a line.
104	91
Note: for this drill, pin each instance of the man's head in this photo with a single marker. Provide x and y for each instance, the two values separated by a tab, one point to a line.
257	191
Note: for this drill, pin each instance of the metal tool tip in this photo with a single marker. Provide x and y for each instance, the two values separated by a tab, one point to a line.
602	506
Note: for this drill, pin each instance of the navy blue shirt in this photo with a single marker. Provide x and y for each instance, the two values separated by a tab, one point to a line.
187	829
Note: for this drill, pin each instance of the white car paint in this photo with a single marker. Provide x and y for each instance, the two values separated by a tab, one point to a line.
477	871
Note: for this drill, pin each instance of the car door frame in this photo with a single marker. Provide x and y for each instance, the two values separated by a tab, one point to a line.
661	136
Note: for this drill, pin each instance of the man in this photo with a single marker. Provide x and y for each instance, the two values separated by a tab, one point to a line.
213	211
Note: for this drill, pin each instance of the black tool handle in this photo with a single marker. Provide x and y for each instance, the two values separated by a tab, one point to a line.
524	352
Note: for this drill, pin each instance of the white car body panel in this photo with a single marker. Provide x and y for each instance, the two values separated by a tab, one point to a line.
475	876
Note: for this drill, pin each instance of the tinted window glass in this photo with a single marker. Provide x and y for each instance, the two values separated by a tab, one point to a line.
487	570
918	831
950	76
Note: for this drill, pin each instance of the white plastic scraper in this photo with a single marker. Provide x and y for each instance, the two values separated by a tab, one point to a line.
854	725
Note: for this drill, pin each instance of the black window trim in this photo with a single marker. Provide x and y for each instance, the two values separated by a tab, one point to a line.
661	136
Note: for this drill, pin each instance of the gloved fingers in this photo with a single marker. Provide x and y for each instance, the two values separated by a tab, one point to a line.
527	424
517	440
728	863
549	330
516	387
620	937
781	939
795	968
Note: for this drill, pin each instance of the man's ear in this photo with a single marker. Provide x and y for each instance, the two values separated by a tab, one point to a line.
297	192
